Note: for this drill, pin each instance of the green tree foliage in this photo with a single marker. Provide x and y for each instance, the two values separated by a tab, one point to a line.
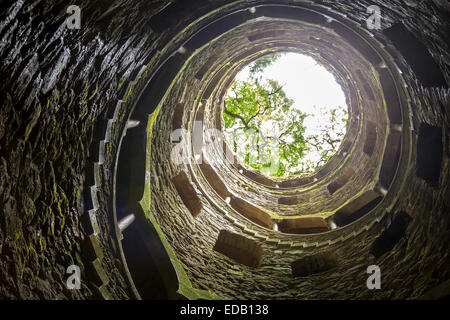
328	141
267	132
262	63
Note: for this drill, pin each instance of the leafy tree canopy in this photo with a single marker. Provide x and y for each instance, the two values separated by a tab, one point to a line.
267	132
259	65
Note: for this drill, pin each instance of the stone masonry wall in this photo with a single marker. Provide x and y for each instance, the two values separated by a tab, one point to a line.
59	86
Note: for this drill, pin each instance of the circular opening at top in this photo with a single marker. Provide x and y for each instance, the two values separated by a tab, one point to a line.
285	115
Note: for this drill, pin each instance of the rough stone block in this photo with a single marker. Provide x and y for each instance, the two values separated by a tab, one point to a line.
366	85
314	264
284	244
213	84
177	120
371	138
304	225
390	158
96	273
258	177
329	167
228	154
187	193
264	35
342	179
390	95
91	248
239	248
252	213
296	182
392	147
204	69
357	42
289	200
361	201
357	207
273	242
90	223
102	292
214	180
291	12
391	236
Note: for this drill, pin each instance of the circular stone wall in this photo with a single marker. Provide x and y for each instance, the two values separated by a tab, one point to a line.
112	157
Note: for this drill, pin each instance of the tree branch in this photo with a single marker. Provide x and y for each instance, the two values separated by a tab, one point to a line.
236	116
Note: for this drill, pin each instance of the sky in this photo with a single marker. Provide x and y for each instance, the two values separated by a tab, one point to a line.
312	87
